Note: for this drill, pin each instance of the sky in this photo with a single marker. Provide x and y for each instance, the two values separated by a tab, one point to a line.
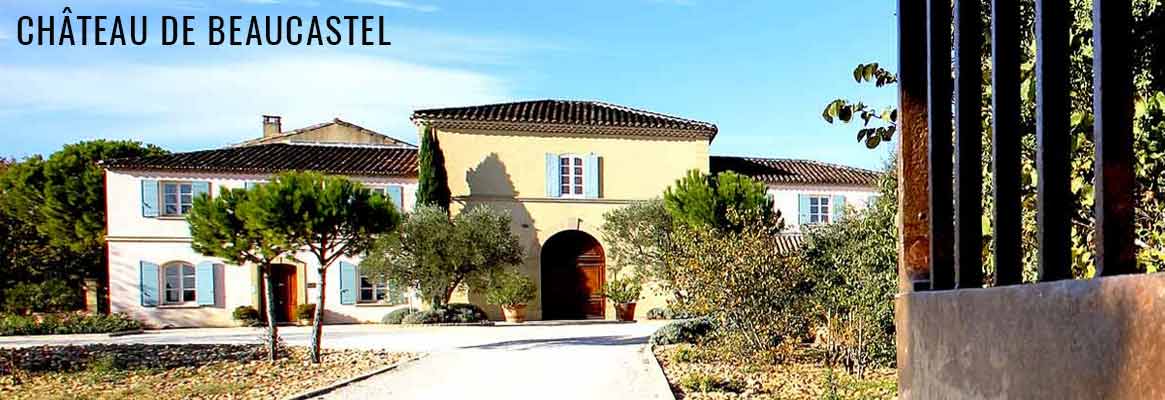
760	70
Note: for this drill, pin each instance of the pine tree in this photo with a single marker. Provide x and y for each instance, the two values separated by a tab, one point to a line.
433	182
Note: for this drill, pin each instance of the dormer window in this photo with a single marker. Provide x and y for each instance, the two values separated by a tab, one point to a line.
571	176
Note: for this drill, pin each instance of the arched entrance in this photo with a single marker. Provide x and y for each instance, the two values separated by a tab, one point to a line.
573	266
284	290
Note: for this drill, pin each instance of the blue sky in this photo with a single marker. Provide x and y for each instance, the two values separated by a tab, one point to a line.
760	70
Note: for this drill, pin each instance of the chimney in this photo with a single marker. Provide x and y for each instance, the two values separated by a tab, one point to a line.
271	126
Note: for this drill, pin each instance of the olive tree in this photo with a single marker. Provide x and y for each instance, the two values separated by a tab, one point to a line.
436	254
327	217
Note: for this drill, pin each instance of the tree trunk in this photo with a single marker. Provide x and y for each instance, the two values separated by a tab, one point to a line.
317	325
272	328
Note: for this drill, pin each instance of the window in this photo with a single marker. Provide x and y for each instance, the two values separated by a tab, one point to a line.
571	175
395	193
371	292
178	281
819	209
177	198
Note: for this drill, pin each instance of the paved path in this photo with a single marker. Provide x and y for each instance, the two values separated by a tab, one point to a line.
534	360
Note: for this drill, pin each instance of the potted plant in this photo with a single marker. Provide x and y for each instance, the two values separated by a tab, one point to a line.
624	292
512	291
305	313
246	315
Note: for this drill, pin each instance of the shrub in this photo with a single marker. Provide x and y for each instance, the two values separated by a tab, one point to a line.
435	316
703	382
66	323
395	317
305	312
624	290
511	288
463	313
682	331
659	313
246	314
52	296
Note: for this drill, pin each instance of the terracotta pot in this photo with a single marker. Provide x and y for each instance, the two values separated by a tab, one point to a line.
515	313
625	312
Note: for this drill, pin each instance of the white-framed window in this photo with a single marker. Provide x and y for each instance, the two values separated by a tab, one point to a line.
178	283
395	194
571	179
819	209
177	198
372	291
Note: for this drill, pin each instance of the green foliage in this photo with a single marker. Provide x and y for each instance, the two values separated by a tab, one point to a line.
703	382
395	317
682	331
432	180
511	288
623	290
852	264
884	119
463	313
435	316
65	323
305	312
701	200
245	314
640	236
52	296
667	313
753	292
436	255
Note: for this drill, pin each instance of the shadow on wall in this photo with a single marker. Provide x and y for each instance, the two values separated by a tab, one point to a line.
490	185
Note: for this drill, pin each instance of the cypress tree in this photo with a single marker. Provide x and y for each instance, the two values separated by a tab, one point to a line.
432	180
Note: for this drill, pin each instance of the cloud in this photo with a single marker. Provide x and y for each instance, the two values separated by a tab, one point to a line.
402	5
205	105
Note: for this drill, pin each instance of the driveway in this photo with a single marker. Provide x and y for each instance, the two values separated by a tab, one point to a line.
537	360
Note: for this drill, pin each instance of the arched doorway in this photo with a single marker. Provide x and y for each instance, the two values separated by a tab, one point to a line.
573	266
284	290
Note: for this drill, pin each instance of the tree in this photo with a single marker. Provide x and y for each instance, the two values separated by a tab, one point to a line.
432	180
700	199
436	255
326	216
226	227
641	235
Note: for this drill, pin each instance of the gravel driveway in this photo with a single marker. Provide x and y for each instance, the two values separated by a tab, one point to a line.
536	360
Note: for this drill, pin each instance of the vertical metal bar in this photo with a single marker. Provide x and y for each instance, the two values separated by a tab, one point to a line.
1113	132
938	25
968	145
1052	140
1005	143
914	270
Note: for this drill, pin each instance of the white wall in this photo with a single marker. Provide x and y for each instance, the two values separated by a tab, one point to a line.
785	198
133	238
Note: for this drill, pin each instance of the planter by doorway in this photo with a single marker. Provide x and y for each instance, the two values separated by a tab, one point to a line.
515	313
625	311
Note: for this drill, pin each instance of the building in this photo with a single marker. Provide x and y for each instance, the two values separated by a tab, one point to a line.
556	166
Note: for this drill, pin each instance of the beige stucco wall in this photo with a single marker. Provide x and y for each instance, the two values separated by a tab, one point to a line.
334	133
507	170
133	238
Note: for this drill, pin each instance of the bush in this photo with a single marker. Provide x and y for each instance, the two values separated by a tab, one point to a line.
451	313
395	317
511	288
305	312
66	323
668	313
52	296
682	331
246	314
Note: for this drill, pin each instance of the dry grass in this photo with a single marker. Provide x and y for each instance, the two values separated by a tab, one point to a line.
693	376
219	380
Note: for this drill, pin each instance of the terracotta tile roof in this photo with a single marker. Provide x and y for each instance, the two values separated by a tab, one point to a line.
600	117
784	170
277	157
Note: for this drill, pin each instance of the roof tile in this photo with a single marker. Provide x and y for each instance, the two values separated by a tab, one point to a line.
784	170
278	157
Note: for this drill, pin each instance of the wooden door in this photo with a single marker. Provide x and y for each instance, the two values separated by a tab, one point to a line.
285	296
573	268
590	266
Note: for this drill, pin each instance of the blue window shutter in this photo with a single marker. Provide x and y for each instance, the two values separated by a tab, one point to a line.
836	207
553	186
204	283
149	198
148	283
591	176
396	194
802	209
347	283
198	188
